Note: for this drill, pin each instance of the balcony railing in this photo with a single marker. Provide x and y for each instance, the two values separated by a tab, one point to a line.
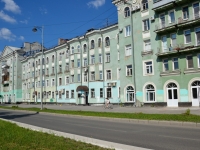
147	52
193	18
164	26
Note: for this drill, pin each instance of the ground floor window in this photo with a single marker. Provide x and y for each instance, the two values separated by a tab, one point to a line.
92	93
172	91
109	92
195	89
150	93
130	94
101	92
72	93
67	94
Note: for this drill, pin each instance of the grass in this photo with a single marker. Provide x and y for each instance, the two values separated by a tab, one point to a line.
185	117
17	138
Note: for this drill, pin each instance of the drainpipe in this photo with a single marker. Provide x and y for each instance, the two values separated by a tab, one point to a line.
103	65
132	43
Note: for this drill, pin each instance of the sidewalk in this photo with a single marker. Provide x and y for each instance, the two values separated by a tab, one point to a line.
117	108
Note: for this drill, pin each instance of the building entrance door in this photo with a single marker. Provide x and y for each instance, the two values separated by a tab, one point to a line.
195	93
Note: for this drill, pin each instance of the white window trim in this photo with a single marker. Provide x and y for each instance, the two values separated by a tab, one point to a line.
144	93
143	25
52	82
125	33
111	92
171	39
193	8
66	80
144	67
124	12
47	82
198	60
182	12
187	61
131	71
160	19
164	65
185	38
58	81
169	20
173	64
196	35
126	49
144	42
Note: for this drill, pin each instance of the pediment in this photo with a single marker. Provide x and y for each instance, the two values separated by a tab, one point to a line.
7	50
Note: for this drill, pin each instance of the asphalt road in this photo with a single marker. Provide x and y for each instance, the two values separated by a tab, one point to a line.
146	136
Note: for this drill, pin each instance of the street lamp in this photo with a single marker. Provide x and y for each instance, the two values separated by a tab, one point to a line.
35	29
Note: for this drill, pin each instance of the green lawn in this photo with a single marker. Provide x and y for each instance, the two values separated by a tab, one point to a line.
186	117
13	137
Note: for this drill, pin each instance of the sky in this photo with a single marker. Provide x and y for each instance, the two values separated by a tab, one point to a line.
60	18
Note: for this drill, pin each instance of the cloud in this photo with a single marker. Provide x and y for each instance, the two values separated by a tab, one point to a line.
43	10
24	21
6	17
6	34
96	3
21	38
10	5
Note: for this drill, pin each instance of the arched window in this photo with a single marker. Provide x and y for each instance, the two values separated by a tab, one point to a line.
38	61
172	91
99	42
127	12
67	53
72	50
145	4
52	58
107	41
130	94
150	93
195	90
43	61
84	48
92	44
47	61
78	48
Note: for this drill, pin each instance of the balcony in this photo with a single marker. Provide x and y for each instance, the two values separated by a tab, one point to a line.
191	70
163	5
5	82
52	74
165	27
191	20
170	73
67	69
181	48
147	52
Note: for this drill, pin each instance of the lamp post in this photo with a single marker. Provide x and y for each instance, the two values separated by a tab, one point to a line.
35	29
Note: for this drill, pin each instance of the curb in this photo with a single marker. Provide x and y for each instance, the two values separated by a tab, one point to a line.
123	120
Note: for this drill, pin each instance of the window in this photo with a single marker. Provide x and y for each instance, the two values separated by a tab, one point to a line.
52	70
92	93
129	70
84	48
101	92
127	30
92	59
145	4
72	93
108	74
185	12
148	67
198	60
78	63
52	58
150	93
67	94
171	17
67	53
60	81
92	44
130	94
165	65
164	43
100	58
47	71
38	61
52	95
67	80
109	92
85	77
43	71
162	20
52	82
43	83
85	62
72	63
197	31
72	78
72	50
78	48
100	75
127	12
196	10
92	76
60	94
108	57
190	62
147	45
38	94
60	56
187	36
99	42
173	40
146	25
39	84
47	60
118	56
60	68
47	83
128	50
67	67
175	63
107	41
79	77
172	91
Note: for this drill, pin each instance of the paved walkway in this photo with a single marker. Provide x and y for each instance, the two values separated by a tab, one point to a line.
147	110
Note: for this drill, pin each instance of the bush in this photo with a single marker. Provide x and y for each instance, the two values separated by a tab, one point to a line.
15	106
187	112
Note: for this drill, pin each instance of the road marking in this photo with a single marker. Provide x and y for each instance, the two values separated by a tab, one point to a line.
179	138
97	127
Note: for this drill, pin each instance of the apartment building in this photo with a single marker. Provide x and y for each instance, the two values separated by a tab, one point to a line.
150	57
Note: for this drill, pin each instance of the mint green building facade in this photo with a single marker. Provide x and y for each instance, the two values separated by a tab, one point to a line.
150	57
